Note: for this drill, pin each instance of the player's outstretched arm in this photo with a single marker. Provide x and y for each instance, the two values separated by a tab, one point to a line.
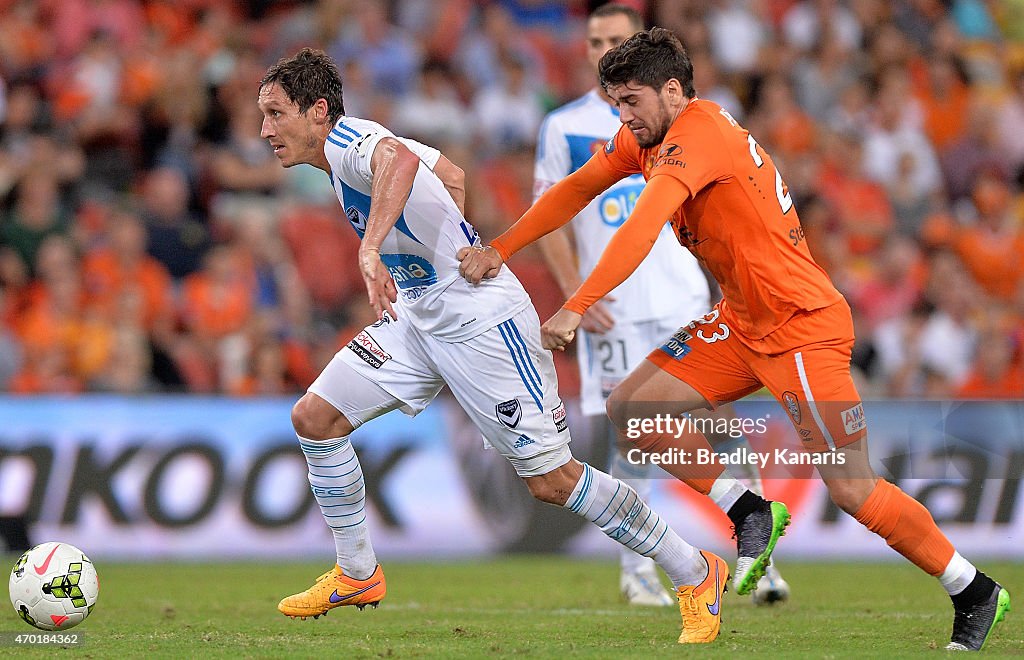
629	246
632	242
557	206
394	169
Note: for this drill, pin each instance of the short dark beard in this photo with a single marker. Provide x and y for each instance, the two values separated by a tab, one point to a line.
653	142
655	139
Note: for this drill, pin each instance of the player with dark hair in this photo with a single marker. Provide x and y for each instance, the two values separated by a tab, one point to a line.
781	323
619	330
404	199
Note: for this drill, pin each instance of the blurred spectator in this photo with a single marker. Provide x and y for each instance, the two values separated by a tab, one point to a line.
129	370
894	142
549	14
266	374
889	48
851	113
389	55
997	372
66	341
1009	119
120	269
992	246
737	36
944	99
919	18
708	84
785	129
508	113
499	38
899	344
10	347
973	19
978	149
859	204
809	18
26	45
244	166
279	295
216	305
894	288
74	22
433	113
216	301
37	214
177	238
822	75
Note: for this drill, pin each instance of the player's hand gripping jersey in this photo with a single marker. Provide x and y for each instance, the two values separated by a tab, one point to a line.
420	250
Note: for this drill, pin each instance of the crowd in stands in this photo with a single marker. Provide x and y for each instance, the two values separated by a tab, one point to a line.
151	242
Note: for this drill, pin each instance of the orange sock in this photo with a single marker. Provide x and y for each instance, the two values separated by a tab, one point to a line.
698	477
906	526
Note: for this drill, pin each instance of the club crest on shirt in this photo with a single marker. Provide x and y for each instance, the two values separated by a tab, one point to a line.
609	146
509	413
792	405
356	217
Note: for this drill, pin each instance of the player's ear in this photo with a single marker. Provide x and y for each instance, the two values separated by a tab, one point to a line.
320	111
673	89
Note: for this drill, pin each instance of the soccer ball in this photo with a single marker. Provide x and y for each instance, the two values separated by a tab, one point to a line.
54	586
771	588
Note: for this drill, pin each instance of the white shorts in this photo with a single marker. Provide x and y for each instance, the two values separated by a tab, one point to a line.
502	378
605	360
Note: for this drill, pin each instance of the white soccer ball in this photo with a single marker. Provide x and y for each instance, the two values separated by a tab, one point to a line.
54	586
771	588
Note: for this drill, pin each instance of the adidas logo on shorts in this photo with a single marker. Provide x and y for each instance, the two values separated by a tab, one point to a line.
523	441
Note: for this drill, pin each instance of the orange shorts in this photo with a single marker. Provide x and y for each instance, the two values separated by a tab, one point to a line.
812	381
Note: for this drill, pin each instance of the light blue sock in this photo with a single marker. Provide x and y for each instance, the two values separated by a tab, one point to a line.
624	517
634	476
337	482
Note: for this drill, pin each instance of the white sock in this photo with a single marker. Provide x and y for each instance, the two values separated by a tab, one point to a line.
337	482
748	472
634	476
958	574
624	517
726	490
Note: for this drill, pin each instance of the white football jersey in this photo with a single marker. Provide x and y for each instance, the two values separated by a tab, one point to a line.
669	283
420	250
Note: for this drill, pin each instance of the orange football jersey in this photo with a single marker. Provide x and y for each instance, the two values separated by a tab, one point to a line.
738	218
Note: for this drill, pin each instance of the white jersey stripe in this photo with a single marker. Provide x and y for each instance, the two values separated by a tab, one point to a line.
810	401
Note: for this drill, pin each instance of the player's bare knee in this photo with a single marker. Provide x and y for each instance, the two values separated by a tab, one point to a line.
543	491
314	418
617	407
555	486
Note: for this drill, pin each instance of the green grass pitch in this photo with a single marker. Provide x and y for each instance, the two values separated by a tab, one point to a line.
522	606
